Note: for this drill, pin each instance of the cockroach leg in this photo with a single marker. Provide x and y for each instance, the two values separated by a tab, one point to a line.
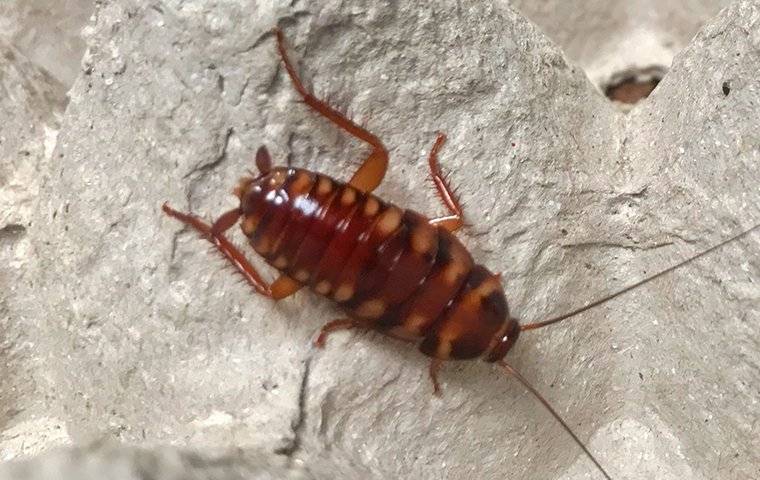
372	169
335	325
284	286
435	366
215	235
455	220
371	172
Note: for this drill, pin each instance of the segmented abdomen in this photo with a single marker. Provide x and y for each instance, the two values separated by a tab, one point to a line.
387	267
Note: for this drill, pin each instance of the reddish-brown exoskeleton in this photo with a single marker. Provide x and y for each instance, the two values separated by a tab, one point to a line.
391	269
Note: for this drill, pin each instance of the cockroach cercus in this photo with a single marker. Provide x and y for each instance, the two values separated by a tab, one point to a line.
391	269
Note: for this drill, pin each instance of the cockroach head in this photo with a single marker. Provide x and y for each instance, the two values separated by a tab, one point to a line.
263	164
504	340
256	192
252	189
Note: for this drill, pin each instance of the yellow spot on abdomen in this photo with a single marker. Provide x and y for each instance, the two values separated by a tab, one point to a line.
280	262
249	224
371	206
422	239
348	197
415	322
453	271
444	349
371	309
389	221
263	245
324	186
323	287
488	286
344	292
300	185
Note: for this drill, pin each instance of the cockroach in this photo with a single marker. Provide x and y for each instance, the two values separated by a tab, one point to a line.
392	270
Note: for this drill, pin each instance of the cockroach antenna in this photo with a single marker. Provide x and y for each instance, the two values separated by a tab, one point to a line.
511	371
533	326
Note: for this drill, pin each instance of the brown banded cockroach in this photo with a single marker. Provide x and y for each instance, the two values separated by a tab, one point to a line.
391	269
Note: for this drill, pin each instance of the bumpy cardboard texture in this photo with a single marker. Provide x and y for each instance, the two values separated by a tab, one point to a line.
139	332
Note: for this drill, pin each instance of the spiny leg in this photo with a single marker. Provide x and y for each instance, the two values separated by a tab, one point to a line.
283	286
215	234
455	220
335	325
371	172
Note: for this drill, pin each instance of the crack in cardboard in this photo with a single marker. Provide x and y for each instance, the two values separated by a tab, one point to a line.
220	157
610	245
294	444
